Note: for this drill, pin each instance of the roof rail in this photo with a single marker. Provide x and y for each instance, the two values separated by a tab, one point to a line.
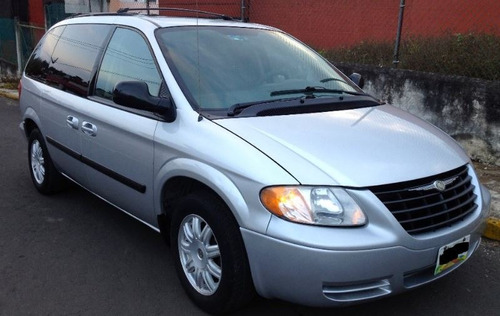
217	15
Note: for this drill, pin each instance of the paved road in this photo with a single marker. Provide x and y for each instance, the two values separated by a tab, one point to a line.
74	254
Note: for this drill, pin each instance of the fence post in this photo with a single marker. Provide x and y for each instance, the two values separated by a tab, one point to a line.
19	46
243	10
395	61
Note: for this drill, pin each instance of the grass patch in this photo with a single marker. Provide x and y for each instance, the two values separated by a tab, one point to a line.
470	55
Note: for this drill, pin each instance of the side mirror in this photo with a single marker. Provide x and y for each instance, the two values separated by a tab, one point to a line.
135	94
357	79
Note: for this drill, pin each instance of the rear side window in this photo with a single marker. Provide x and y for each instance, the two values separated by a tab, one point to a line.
40	61
75	56
127	58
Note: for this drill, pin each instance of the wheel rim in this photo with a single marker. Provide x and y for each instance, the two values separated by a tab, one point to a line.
37	162
199	254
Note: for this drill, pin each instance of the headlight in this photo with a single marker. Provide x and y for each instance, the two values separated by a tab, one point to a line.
313	205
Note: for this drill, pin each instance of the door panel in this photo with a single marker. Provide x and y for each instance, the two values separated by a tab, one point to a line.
118	148
118	142
63	140
63	96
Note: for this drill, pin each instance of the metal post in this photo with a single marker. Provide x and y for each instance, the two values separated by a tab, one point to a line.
46	16
19	47
90	6
398	35
147	5
243	10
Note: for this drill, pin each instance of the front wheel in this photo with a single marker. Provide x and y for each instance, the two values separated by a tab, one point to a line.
209	254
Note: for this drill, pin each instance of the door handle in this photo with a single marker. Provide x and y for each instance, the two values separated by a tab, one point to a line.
72	122
89	129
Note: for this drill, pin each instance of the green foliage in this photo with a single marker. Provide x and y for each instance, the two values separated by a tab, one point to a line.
470	55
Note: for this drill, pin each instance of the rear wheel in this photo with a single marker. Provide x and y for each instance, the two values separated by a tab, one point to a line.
46	178
210	257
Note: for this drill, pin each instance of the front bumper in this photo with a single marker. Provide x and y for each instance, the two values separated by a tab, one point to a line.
318	277
359	264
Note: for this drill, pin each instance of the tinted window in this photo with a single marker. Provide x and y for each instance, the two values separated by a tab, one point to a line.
75	56
127	58
40	59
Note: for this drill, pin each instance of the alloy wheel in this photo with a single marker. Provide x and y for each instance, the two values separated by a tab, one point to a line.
37	162
199	254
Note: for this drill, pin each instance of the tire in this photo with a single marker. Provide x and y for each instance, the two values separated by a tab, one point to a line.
209	254
45	177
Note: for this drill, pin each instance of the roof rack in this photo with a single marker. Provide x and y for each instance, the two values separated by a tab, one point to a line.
217	15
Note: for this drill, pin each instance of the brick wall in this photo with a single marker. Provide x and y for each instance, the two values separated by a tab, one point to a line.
333	23
228	7
36	13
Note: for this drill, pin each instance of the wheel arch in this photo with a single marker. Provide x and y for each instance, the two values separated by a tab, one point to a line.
29	126
31	121
182	176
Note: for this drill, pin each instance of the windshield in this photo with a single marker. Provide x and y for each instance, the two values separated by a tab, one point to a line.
220	67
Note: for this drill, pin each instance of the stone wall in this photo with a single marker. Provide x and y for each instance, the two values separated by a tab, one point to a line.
466	108
8	71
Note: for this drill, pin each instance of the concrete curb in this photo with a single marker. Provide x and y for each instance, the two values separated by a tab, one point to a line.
9	93
492	230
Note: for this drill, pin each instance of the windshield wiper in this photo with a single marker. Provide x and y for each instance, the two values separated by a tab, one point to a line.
311	90
238	107
308	91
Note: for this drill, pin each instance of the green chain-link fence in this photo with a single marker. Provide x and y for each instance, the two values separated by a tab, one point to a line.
8	43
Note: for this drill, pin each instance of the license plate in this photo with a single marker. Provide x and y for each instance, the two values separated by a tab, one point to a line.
451	254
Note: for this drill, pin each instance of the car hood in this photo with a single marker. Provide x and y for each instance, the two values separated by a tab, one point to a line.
355	148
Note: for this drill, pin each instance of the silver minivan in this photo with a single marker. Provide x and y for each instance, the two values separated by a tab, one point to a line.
267	169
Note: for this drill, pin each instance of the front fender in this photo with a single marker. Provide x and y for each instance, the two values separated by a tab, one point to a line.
248	212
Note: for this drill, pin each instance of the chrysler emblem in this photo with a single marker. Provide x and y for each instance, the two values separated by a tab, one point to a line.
439	185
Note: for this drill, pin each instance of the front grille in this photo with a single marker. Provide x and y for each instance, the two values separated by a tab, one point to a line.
419	207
